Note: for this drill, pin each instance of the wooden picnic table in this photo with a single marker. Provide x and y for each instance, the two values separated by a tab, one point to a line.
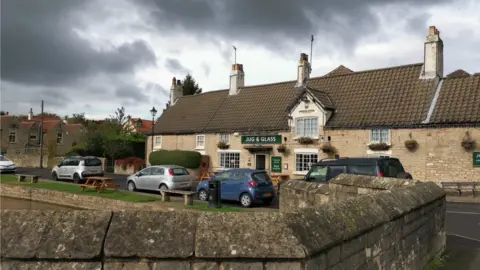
99	183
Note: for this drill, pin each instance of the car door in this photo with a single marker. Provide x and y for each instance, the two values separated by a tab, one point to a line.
223	177
71	167
62	169
141	181
234	185
156	177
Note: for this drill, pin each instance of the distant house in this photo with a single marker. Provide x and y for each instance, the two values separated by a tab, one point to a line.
20	136
138	125
359	113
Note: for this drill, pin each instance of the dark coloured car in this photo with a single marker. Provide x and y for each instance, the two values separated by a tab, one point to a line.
325	170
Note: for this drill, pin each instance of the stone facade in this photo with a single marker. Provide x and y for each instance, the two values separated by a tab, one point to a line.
439	156
399	229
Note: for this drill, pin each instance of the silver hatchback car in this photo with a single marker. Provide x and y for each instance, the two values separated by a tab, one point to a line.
161	177
77	168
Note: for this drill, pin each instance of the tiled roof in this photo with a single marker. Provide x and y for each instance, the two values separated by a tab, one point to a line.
340	70
392	97
459	73
49	125
458	101
73	127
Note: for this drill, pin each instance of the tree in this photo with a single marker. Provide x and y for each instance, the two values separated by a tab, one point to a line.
190	86
120	116
78	118
3	113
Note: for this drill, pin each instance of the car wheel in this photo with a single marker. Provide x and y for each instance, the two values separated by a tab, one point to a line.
76	178
245	200
131	186
163	187
54	176
203	195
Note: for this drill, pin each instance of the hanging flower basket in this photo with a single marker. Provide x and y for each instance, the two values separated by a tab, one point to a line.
379	146
282	148
328	148
411	145
222	145
468	143
305	140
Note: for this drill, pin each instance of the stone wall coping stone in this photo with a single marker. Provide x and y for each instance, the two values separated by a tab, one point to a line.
311	187
373	182
204	235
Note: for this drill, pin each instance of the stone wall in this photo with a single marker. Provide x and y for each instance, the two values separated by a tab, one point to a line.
33	160
75	200
399	229
295	195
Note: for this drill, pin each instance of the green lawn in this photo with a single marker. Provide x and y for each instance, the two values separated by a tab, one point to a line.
204	207
72	188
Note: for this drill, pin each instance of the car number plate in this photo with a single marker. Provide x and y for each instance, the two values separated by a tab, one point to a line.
268	194
183	185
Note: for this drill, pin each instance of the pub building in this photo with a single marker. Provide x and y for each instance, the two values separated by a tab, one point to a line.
286	127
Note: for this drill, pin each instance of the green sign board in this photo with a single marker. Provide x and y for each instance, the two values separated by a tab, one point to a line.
262	139
276	165
476	159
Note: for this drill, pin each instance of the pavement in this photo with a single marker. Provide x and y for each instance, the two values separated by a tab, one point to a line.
462	224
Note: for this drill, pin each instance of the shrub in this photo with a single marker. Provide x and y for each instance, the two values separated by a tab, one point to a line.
187	159
77	150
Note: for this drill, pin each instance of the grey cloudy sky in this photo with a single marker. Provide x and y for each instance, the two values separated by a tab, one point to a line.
93	56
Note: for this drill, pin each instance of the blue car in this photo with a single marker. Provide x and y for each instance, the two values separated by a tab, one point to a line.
246	186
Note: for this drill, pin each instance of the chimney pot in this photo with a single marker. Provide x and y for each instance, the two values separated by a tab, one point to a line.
237	79
174	80
304	69
303	57
433	48
179	82
7	113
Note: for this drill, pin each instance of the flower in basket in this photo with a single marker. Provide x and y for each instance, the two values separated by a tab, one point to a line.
282	148
379	146
222	145
468	143
305	140
328	148
411	144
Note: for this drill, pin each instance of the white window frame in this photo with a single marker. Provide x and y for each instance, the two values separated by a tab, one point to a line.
197	145
220	152
60	137
305	151
156	143
377	132
223	136
301	132
32	136
12	133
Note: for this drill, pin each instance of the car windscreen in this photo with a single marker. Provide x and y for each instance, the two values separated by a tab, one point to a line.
2	158
92	162
318	174
391	167
261	177
179	171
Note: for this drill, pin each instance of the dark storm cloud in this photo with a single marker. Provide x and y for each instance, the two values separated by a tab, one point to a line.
40	46
156	89
272	23
174	66
131	92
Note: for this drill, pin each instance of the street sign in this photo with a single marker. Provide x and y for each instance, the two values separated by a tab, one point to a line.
476	159
276	166
262	139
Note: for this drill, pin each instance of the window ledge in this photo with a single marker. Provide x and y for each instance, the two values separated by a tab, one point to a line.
313	138
200	148
300	172
157	147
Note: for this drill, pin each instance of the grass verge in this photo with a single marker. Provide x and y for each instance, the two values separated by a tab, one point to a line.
74	189
204	207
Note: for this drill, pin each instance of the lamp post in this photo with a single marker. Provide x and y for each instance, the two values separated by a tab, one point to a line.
153	112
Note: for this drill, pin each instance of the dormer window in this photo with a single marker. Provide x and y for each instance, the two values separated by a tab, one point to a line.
306	127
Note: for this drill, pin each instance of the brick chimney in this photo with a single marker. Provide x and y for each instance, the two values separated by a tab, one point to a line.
433	58
176	90
304	70
237	79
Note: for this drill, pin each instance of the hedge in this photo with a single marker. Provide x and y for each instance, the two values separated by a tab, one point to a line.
187	159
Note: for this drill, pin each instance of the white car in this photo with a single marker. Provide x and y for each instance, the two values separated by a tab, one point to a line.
6	165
